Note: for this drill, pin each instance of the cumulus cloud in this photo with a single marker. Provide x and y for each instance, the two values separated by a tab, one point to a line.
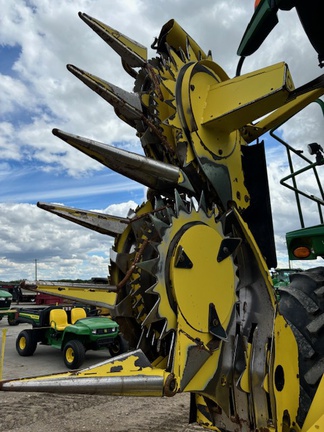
62	249
37	40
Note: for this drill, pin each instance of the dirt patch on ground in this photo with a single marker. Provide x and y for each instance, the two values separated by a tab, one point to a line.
30	412
54	413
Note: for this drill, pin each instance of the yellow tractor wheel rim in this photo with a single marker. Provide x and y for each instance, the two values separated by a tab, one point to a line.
69	355
22	343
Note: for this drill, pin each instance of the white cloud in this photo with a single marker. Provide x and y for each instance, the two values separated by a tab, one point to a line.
62	249
41	94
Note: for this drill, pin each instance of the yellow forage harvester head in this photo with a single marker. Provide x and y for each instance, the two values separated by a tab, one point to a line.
189	282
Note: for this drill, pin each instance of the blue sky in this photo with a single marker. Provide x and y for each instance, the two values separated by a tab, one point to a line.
37	94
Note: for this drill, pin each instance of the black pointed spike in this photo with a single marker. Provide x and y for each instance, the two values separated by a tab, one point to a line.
215	326
100	222
228	247
182	260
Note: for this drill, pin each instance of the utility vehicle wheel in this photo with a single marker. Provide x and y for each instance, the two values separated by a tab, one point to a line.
118	347
302	304
26	343
12	321
74	354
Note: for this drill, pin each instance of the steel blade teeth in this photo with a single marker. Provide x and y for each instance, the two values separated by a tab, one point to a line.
171	54
152	315
183	56
153	340
138	302
140	314
148	333
191	205
122	260
163	330
124	308
189	50
142	341
180	205
159	203
133	284
159	226
202	202
150	290
150	266
171	351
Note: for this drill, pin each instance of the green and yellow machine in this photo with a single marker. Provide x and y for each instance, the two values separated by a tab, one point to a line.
189	280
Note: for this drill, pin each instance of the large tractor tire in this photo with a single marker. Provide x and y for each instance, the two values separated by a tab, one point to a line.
302	304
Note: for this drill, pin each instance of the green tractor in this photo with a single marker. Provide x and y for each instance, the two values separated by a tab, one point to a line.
296	288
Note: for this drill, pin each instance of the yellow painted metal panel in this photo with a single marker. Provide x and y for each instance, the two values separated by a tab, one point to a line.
315	418
232	104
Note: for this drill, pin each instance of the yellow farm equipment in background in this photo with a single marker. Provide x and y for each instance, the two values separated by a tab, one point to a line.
189	280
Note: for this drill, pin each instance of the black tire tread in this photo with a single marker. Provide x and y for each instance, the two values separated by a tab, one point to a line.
31	343
119	347
79	354
302	304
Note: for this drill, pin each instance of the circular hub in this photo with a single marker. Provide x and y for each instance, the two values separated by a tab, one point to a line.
22	343
199	279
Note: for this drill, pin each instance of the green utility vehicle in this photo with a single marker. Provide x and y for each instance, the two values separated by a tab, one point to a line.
71	331
5	303
281	276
